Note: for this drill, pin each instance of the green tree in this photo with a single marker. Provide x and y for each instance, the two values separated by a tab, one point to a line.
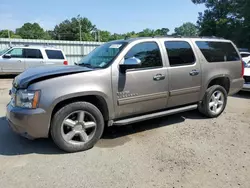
32	31
187	29
70	29
146	33
226	18
4	34
104	36
161	32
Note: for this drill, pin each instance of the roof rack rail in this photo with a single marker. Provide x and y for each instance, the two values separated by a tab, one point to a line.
179	36
212	37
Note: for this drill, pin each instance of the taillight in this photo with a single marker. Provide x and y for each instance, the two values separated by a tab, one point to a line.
242	68
65	62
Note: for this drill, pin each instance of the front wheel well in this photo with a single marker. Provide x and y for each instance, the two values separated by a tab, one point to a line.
222	81
98	101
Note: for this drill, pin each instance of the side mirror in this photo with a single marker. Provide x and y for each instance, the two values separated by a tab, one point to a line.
130	63
7	56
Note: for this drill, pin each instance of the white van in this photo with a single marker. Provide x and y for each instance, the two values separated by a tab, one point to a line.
15	60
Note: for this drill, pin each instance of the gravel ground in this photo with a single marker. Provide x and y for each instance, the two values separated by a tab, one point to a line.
183	150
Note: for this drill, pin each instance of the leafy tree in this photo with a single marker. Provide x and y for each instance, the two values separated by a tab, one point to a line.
32	31
70	29
104	36
162	32
226	18
4	34
146	33
187	29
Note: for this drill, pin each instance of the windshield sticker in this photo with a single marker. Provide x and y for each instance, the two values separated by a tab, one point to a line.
102	64
115	46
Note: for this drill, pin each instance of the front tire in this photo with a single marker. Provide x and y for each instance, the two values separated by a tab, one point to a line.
77	127
214	101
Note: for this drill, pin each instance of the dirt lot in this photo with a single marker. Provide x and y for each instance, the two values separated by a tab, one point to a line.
184	150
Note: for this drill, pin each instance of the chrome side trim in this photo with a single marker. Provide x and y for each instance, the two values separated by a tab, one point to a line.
142	98
185	91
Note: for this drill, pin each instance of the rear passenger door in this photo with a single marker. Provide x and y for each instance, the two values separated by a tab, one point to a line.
33	58
184	73
54	57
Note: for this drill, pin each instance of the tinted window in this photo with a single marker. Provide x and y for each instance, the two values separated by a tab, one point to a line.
218	51
179	53
148	53
245	55
54	54
16	53
33	53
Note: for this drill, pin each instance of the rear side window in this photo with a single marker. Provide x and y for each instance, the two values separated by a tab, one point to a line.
180	53
218	51
33	53
245	55
54	54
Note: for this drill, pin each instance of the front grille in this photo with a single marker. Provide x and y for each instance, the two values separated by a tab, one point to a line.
247	79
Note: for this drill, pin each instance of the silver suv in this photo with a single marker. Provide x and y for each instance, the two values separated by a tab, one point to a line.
16	59
123	82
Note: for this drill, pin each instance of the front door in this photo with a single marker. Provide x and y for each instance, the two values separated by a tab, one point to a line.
16	63
184	73
143	89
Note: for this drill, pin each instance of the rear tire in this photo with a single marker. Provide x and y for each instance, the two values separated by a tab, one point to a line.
77	127
214	101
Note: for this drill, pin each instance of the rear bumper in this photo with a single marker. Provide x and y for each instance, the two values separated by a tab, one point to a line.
246	87
236	86
30	123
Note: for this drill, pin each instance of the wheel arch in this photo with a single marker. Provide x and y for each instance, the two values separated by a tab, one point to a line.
96	99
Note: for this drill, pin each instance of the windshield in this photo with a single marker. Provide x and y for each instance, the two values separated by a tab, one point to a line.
3	51
101	56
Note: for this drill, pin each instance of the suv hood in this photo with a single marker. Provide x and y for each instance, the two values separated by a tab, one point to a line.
37	74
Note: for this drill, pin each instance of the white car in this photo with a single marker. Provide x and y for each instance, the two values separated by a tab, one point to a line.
245	56
15	60
246	86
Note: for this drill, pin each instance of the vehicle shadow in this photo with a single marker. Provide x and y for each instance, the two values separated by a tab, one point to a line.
13	144
12	76
116	132
242	95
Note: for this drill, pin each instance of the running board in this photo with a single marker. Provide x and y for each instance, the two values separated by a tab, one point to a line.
154	115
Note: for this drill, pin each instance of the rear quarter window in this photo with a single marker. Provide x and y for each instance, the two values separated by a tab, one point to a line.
218	51
54	54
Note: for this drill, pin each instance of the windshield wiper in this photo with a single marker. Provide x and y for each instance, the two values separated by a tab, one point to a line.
86	65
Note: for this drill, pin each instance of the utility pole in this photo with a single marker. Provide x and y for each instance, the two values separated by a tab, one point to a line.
99	37
9	37
80	28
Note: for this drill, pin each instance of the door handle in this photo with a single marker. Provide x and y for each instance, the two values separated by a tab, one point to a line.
19	61
194	73
159	77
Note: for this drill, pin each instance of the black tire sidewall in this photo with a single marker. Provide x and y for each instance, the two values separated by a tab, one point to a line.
205	103
63	113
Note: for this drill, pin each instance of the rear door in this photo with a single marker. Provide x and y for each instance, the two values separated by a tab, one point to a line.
16	63
33	58
54	57
184	73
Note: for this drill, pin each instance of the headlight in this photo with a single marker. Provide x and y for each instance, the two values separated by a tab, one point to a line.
27	99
